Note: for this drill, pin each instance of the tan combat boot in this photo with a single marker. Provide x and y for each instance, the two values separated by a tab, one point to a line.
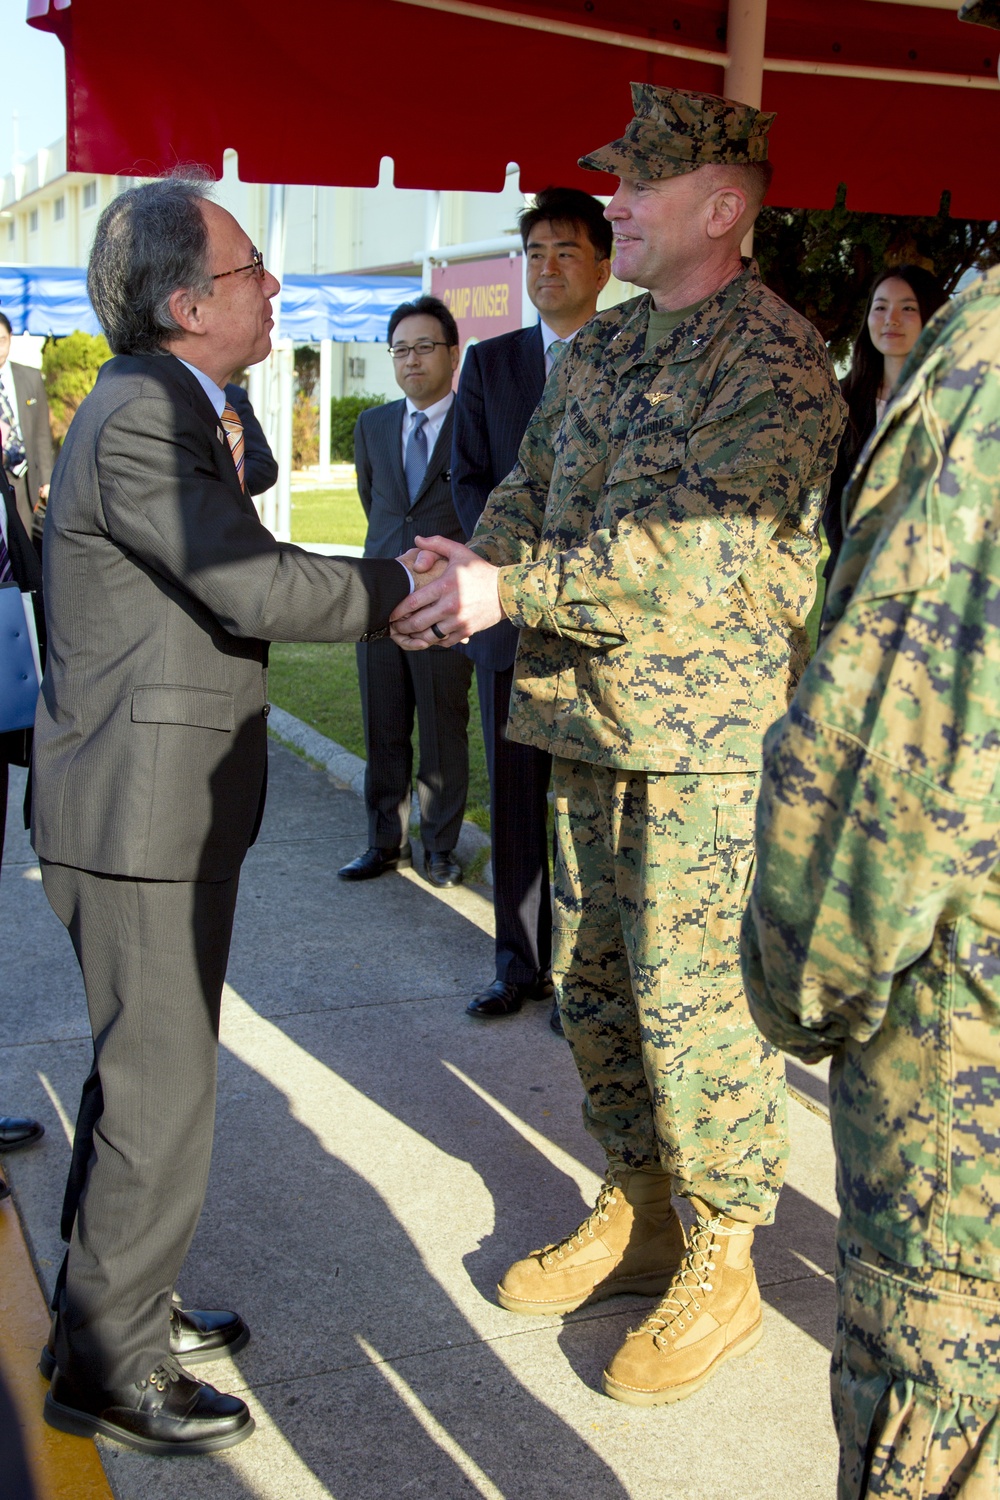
632	1242
711	1312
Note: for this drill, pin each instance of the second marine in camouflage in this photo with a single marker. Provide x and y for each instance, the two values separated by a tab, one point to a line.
657	546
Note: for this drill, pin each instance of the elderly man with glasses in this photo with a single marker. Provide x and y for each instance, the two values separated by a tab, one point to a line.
403	456
162	590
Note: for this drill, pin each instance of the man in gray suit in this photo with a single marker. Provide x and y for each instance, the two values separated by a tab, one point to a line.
162	591
403	457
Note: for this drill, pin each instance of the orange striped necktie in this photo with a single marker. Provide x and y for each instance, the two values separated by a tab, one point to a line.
234	432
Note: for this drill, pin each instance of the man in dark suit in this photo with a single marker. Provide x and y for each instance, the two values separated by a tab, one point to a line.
403	457
26	435
567	245
162	591
18	564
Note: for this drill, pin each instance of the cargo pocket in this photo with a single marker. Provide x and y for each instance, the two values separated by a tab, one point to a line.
729	883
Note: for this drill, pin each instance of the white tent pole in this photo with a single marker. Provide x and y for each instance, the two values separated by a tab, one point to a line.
432	234
745	71
325	397
278	499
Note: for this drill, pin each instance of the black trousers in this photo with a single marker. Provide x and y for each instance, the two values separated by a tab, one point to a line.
435	685
153	956
519	785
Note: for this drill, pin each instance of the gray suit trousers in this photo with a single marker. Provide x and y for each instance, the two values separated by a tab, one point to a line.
153	956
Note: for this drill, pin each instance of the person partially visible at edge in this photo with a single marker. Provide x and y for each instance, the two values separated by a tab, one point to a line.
19	564
567	248
901	300
656	546
162	591
873	931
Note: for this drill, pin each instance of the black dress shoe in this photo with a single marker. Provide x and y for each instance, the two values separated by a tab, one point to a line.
169	1412
15	1132
555	1019
504	999
196	1338
375	862
442	868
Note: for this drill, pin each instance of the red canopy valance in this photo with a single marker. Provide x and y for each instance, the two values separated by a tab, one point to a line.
319	91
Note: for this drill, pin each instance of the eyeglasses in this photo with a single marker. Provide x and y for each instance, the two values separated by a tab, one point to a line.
422	346
256	264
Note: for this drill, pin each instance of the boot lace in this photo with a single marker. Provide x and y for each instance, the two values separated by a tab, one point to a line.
692	1280
589	1228
165	1373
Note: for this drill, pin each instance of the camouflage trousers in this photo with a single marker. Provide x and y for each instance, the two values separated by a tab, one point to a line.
915	1380
652	875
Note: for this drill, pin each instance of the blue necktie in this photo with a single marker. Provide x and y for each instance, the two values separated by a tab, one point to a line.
415	463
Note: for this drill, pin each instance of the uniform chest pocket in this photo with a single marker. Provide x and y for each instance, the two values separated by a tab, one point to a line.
652	449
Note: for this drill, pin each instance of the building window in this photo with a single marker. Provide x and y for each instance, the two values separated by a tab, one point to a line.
59	209
33	220
356	368
89	194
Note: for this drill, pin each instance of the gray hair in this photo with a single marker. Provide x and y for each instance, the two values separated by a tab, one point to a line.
150	242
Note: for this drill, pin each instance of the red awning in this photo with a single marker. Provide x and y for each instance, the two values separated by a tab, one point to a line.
453	91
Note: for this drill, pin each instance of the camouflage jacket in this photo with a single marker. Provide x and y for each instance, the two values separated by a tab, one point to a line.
658	537
873	931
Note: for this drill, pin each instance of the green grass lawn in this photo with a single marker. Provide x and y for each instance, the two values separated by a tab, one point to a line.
319	683
328	516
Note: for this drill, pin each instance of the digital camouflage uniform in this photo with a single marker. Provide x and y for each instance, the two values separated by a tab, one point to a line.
658	549
874	929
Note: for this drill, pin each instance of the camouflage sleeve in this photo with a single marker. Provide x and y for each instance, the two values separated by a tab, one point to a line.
879	813
692	517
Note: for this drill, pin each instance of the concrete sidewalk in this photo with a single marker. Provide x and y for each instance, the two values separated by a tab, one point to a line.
379	1161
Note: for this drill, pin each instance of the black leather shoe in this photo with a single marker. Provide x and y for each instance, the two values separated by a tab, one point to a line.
169	1412
503	999
555	1019
15	1132
196	1337
442	868
375	862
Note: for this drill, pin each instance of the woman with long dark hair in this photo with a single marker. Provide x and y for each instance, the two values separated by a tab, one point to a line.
900	302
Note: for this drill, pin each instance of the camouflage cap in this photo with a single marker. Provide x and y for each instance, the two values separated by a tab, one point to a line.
982	12
674	132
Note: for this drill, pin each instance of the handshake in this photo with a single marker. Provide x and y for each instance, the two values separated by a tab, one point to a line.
456	596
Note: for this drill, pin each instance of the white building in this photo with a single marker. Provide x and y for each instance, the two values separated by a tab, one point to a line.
48	217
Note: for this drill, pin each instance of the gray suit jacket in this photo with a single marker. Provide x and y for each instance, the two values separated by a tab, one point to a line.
162	591
393	521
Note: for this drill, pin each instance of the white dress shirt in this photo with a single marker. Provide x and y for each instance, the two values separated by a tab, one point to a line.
7	381
435	421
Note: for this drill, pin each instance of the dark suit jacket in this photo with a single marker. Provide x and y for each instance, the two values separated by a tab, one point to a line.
162	591
33	413
260	467
501	384
393	521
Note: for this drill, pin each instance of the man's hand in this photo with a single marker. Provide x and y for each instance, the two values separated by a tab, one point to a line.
459	599
425	566
43	492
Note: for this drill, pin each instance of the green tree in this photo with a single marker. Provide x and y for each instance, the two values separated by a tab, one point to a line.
822	261
344	413
69	369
